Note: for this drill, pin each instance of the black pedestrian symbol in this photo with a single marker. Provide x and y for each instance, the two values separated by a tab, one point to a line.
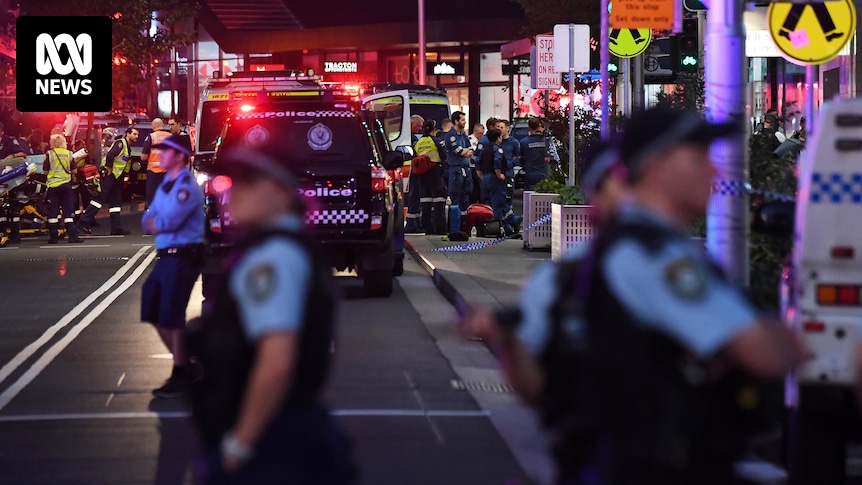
636	36
823	18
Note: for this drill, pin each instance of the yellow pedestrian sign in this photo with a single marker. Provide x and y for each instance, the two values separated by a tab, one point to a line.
629	42
811	33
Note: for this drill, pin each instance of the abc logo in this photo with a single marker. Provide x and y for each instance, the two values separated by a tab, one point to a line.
63	65
48	61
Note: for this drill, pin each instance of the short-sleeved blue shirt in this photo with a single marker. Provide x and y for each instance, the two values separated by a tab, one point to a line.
271	282
178	209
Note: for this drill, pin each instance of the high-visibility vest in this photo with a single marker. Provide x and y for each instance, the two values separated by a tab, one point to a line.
59	171
428	147
121	161
156	137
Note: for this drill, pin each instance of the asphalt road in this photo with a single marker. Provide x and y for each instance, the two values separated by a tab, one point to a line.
78	368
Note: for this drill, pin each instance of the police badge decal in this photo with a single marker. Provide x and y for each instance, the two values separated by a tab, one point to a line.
319	137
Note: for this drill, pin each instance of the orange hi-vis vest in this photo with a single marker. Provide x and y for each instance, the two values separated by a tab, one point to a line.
156	137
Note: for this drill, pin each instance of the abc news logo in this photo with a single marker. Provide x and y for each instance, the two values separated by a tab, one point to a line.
63	64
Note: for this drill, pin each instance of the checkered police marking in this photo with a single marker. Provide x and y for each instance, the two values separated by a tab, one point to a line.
336	217
836	188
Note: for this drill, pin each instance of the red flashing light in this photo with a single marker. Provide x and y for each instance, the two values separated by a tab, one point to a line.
221	183
246	108
379	179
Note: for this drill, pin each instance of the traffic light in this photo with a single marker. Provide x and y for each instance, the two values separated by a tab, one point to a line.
687	43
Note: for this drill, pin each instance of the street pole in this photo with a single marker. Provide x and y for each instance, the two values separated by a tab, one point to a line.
637	66
626	67
810	79
726	218
571	104
605	59
421	60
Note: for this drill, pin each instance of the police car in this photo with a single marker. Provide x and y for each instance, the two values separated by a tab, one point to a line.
347	174
821	288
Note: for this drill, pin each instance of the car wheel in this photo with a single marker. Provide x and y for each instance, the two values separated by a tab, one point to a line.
398	267
377	283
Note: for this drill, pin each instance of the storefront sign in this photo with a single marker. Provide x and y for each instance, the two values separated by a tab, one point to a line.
266	67
445	68
334	67
516	69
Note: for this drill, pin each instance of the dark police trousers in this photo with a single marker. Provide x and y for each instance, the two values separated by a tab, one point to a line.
62	197
112	194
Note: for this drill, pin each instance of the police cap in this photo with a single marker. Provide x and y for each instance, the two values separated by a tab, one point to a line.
659	130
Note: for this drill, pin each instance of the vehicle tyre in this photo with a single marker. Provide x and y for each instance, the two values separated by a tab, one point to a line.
398	267
822	438
377	283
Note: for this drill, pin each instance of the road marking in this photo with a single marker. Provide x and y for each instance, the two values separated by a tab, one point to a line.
31	349
9	248
161	356
101	237
409	413
75	246
110	398
122	378
67	339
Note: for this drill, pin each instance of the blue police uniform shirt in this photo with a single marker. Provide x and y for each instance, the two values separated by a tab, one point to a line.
533	153
178	212
512	150
271	282
480	146
674	290
456	145
499	158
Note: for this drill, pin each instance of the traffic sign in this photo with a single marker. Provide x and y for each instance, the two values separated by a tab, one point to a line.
543	74
629	42
642	14
580	44
811	33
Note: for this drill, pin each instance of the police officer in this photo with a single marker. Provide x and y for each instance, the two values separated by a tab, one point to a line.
176	218
150	155
540	344
675	349
512	150
458	156
264	347
494	179
115	166
533	149
61	170
480	191
432	192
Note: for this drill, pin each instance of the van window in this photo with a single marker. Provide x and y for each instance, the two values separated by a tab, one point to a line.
390	110
430	111
213	116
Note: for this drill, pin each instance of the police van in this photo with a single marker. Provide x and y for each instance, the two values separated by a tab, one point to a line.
345	163
821	290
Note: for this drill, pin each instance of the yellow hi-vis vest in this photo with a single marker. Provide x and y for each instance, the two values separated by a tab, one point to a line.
156	137
428	147
59	171
121	161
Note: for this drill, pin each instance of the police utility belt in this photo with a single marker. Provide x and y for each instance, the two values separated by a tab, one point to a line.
189	250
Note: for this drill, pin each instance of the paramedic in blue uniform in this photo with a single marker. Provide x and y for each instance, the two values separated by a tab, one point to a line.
677	352
511	148
493	165
458	156
176	218
481	143
264	348
538	344
533	149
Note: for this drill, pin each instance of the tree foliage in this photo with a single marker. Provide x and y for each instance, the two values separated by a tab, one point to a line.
542	15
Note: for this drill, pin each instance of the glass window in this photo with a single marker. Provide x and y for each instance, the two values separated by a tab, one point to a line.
389	110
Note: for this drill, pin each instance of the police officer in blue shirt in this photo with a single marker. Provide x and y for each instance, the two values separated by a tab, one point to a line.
176	218
494	179
459	153
676	350
264	348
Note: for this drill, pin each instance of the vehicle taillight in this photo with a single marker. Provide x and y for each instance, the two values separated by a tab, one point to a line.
379	179
838	295
376	222
221	183
813	327
842	252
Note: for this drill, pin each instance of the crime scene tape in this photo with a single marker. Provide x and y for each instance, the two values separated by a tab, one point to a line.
739	189
491	242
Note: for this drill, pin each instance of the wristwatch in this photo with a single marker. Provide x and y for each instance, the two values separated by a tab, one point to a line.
234	448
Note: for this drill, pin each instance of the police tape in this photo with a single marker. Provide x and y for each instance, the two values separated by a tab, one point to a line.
735	188
484	244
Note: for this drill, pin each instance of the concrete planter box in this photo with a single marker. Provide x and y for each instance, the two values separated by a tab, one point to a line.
537	205
570	226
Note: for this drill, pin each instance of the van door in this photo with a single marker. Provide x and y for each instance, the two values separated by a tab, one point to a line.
393	108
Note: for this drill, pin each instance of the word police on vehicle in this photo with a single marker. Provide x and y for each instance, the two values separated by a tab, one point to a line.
63	65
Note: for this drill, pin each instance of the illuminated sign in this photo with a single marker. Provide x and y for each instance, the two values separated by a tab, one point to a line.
266	67
340	66
445	68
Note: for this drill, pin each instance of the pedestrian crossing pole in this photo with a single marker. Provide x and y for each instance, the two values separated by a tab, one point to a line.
605	59
727	213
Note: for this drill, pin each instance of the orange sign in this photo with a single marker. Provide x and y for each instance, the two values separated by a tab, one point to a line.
642	14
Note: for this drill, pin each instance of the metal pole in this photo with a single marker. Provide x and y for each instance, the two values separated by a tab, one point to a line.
638	101
571	104
421	60
605	57
625	66
726	217
810	79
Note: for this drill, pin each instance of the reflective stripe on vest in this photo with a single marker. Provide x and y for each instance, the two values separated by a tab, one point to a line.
156	137
121	161
59	171
428	147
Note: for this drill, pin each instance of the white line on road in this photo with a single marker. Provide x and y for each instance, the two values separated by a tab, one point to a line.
67	339
31	349
9	248
409	413
75	246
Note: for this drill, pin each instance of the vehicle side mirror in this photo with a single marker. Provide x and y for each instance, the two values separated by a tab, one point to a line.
393	160
406	152
775	219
